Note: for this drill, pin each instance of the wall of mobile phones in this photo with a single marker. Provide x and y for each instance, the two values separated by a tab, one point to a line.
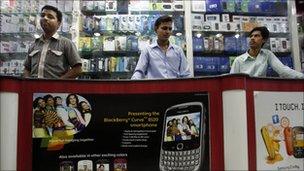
98	132
279	130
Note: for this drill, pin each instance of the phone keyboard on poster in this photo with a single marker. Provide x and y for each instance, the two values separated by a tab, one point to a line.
180	160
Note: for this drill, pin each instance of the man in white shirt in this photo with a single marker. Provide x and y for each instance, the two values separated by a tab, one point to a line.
256	60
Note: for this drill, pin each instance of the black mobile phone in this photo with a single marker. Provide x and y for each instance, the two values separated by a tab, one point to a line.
298	141
182	143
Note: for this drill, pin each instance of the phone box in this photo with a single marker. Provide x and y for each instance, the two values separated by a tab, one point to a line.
178	5
228	5
13	46
242	44
108	43
85	65
198	44
123	25
96	43
215	26
156	6
178	22
197	22
102	23
280	8
248	26
111	5
218	43
111	64
210	65
241	6
287	60
285	45
167	6
267	7
5	46
132	43
120	43
84	43
283	26
225	18
208	44
145	23
99	6
273	44
131	22
224	65
137	23
143	42
213	6
198	5
254	6
207	26
225	26
212	17
198	64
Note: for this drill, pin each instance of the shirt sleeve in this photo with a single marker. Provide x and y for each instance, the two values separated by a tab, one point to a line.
283	70
141	66
72	53
235	68
184	68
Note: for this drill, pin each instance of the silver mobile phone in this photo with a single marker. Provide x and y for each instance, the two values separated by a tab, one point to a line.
182	143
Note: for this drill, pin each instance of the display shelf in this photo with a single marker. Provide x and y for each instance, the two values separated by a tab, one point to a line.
115	30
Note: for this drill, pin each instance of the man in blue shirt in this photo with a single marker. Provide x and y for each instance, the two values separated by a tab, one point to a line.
162	59
256	60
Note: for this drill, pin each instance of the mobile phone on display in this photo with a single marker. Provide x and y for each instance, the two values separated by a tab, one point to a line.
298	141
182	143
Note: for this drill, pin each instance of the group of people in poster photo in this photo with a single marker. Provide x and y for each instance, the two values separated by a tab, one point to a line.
67	113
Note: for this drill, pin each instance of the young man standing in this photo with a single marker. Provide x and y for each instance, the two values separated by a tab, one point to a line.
51	55
256	60
162	59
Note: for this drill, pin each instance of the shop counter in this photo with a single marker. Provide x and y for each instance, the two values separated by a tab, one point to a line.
125	124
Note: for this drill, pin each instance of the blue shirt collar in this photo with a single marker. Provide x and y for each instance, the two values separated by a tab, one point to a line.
154	45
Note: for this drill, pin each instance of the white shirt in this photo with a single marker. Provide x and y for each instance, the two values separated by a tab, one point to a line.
257	67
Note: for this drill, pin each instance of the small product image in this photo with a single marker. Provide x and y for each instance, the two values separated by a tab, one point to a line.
281	133
182	146
120	164
85	165
66	166
59	114
102	165
298	141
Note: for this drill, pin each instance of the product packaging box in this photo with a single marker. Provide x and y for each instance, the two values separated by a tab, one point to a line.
228	5
198	5
108	43
198	44
111	5
224	66
197	22
214	6
178	5
120	43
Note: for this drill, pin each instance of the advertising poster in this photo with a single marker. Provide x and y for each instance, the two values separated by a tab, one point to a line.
120	132
279	118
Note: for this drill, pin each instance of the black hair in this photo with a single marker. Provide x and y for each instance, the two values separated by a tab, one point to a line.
68	99
162	19
264	32
56	10
46	97
35	102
